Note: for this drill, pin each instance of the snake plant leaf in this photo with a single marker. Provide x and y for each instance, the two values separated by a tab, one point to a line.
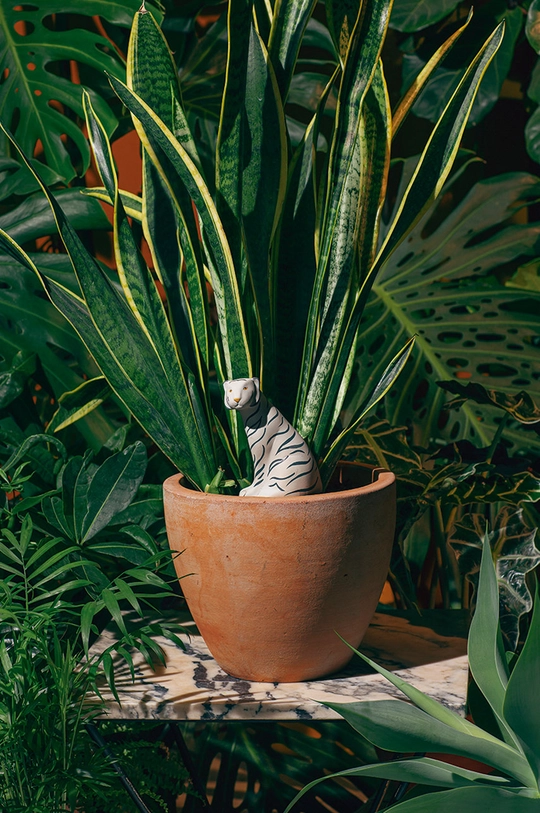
443	82
288	25
341	16
512	543
383	387
251	167
423	76
437	159
32	94
487	660
113	487
409	15
341	212
120	348
74	405
520	707
428	178
520	406
394	725
423	771
469	327
469	800
132	203
164	147
142	295
151	73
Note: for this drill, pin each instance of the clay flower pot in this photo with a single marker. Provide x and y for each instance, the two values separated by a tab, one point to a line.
270	581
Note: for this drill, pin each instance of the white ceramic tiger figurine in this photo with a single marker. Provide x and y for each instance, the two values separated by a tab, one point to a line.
282	461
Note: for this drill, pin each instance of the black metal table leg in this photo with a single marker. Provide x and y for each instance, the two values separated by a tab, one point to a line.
188	762
124	779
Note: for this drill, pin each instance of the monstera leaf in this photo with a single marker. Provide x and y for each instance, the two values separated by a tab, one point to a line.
36	102
515	554
470	327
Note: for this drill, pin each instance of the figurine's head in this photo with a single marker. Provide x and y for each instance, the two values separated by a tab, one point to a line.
241	392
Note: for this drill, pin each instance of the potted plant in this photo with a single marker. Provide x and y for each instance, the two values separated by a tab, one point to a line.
290	241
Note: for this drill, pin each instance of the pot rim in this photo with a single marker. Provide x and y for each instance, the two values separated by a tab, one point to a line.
385	479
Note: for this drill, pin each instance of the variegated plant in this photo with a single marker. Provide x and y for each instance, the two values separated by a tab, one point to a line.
287	241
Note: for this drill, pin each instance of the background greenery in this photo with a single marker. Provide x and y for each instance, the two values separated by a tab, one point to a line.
477	323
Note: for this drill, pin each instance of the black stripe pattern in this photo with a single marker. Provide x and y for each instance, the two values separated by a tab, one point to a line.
282	461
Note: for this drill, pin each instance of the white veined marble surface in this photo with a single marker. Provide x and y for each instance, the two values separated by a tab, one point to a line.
192	686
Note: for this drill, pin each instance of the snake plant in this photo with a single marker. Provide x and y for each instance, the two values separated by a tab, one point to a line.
425	726
285	243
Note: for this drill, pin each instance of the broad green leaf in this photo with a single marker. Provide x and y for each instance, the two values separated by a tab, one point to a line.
411	15
520	704
145	508
397	726
415	771
424	702
33	217
15	178
532	28
33	440
69	477
514	553
75	404
142	537
532	135
113	487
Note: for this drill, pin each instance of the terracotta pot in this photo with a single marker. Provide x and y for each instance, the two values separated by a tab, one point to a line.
271	581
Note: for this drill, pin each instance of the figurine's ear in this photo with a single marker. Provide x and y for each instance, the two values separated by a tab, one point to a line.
257	389
225	385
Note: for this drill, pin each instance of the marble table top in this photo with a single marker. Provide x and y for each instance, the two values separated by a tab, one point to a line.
192	686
